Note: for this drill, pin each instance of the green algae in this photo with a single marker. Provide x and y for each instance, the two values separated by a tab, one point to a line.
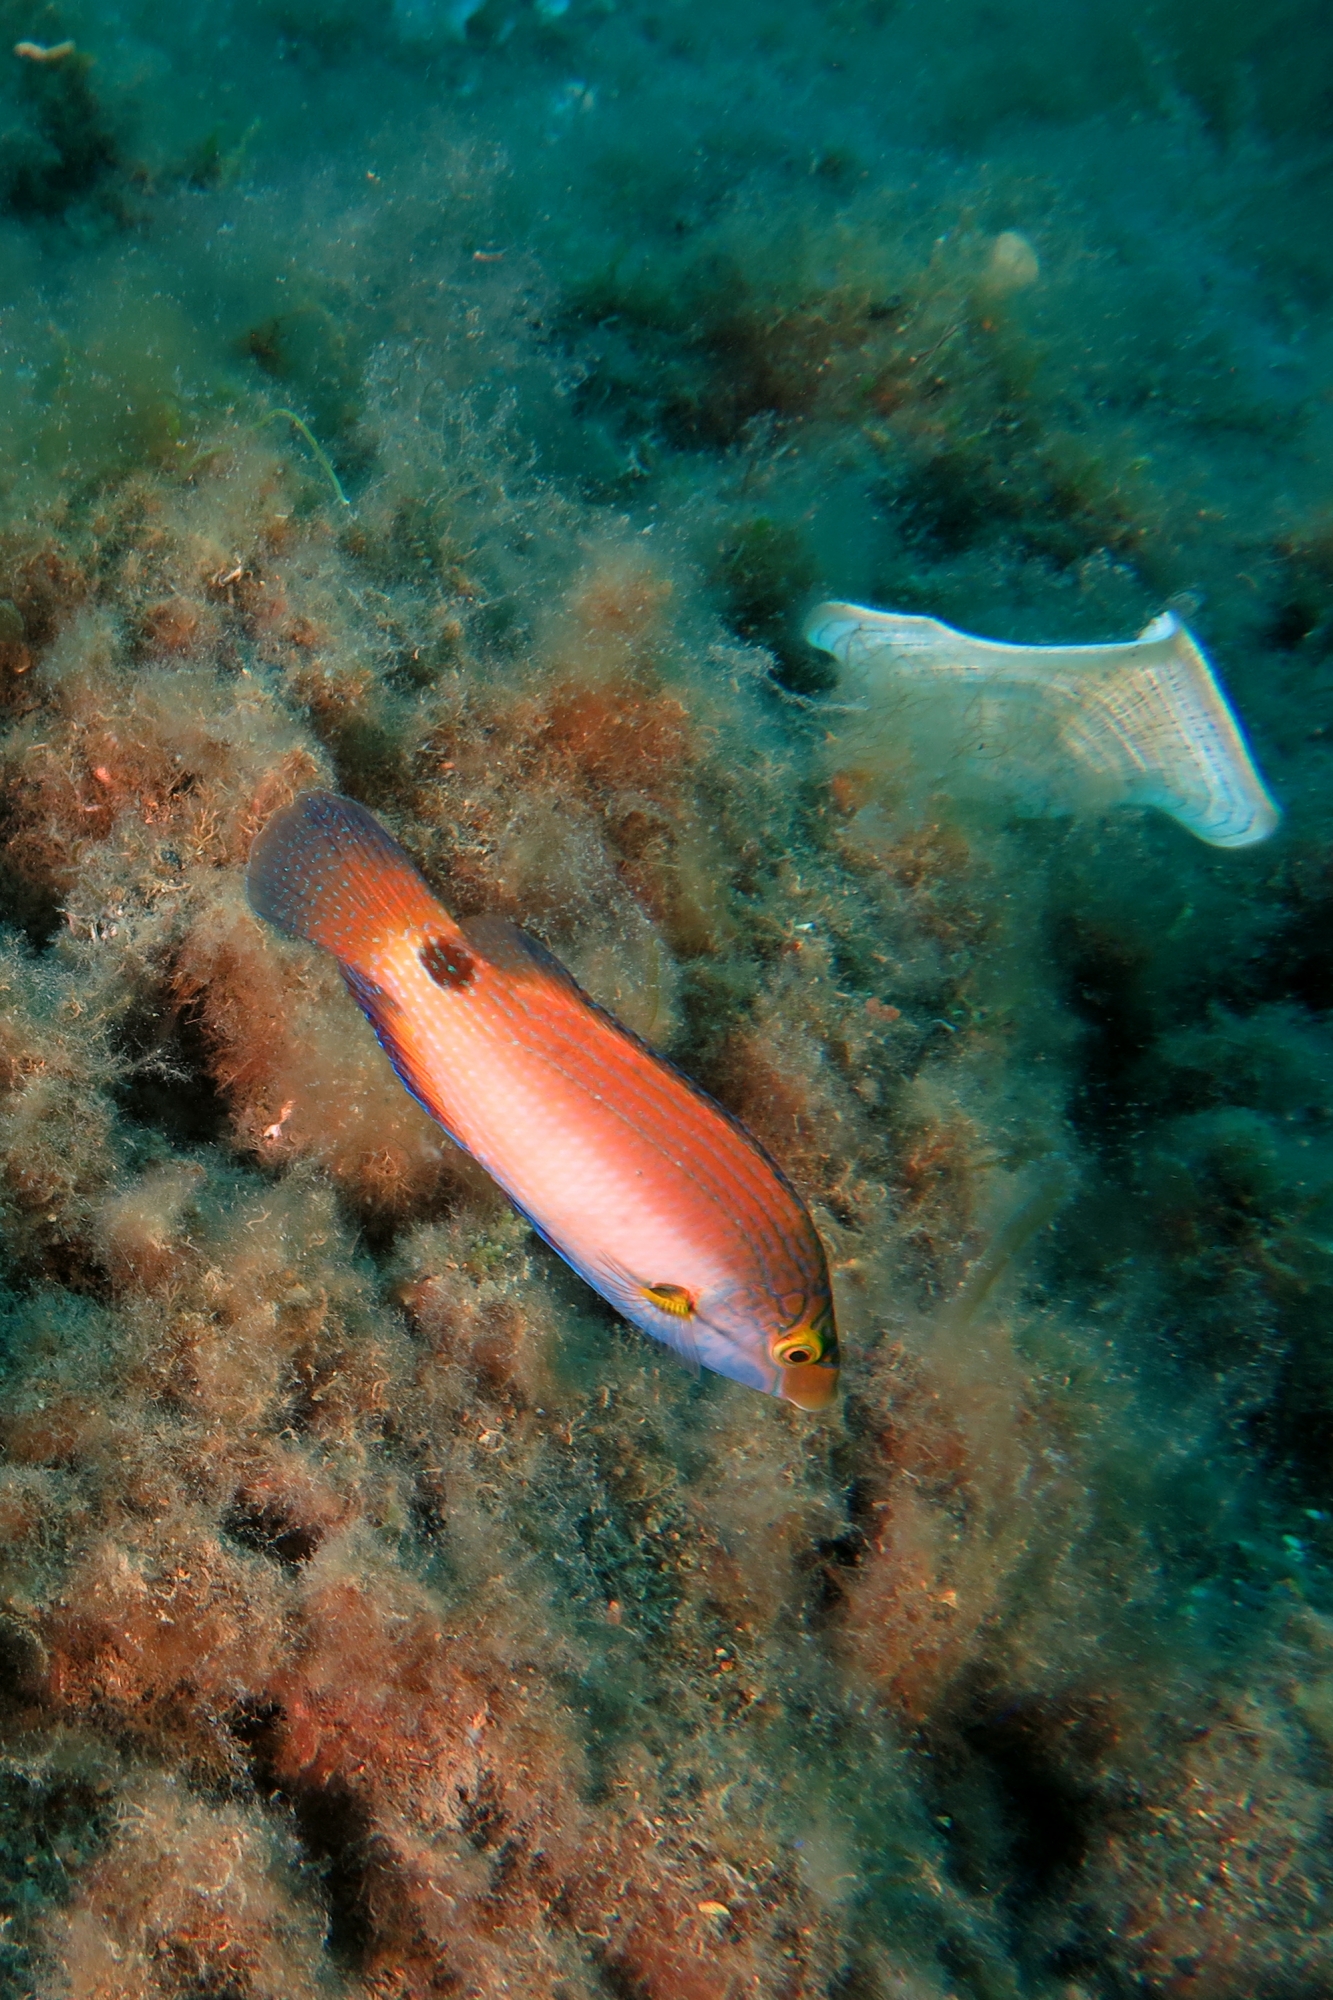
321	456
68	153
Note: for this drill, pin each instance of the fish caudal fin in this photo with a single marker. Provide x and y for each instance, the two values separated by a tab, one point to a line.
325	869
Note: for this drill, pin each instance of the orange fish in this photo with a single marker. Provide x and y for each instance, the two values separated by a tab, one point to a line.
658	1199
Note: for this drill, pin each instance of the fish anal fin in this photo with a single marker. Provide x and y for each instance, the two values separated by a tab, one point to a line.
377	1005
385	1015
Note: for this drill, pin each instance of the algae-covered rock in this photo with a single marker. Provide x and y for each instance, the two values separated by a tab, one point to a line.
464	408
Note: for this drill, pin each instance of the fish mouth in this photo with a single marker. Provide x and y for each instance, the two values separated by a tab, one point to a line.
811	1385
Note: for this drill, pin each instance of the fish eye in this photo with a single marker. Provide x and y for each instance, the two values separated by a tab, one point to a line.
799	1348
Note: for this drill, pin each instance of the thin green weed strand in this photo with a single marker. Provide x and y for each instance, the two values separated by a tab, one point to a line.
321	455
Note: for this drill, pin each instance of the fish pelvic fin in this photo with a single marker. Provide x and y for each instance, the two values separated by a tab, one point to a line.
325	869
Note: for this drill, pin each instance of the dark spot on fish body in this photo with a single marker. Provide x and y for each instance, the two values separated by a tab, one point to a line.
448	962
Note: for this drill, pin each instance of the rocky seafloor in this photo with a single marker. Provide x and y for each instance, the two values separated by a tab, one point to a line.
462	406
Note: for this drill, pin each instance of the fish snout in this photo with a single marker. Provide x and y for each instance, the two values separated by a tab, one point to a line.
811	1385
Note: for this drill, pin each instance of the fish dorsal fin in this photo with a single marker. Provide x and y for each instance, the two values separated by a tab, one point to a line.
513	951
508	947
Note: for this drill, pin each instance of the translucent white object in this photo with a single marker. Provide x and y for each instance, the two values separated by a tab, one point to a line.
1012	265
1067	727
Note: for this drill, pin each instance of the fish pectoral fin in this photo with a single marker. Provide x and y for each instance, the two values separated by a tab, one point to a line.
678	1335
665	1311
673	1299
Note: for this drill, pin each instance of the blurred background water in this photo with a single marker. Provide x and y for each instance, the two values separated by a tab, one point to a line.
463	405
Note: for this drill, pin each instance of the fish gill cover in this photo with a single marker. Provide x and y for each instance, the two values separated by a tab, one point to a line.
462	407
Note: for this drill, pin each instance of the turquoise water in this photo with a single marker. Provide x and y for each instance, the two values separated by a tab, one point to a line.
464	408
